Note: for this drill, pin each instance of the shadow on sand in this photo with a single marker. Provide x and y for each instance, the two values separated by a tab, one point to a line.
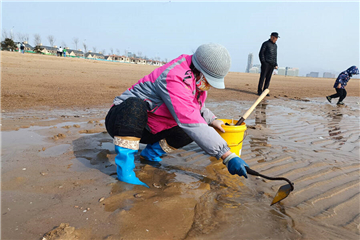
242	91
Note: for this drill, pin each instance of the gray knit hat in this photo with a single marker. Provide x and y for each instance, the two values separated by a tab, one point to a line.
212	60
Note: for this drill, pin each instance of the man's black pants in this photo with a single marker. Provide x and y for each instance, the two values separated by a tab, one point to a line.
266	72
129	119
340	92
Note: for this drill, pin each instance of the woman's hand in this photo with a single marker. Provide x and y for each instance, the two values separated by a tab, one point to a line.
217	124
236	165
339	86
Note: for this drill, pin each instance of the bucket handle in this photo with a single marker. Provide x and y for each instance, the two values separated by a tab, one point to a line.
245	134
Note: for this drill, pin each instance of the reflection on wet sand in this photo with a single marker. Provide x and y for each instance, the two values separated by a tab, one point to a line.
260	114
335	117
258	144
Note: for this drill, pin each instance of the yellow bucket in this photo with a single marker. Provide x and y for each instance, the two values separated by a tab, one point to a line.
233	135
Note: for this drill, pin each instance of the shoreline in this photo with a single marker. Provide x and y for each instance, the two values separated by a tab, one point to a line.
30	81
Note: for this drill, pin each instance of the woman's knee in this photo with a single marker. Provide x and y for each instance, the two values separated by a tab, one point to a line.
127	119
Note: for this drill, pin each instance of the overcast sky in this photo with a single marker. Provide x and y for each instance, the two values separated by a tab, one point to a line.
321	36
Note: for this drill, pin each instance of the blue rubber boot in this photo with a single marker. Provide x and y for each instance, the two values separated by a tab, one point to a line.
153	152
124	161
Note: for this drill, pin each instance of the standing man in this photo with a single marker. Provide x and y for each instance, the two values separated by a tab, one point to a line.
268	59
60	51
22	48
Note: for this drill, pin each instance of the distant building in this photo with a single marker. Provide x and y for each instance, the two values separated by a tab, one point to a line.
254	70
114	57
294	72
328	75
288	71
313	74
124	59
281	71
140	61
94	55
132	60
154	62
74	53
109	57
48	50
249	63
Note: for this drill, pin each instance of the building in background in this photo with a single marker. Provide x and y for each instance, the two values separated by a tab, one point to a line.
281	71
256	68
94	55
294	72
313	74
328	75
288	71
284	71
74	53
249	63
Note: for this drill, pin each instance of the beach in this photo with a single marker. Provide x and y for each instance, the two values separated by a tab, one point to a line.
59	176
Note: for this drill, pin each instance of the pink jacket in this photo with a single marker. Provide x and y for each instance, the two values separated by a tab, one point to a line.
173	99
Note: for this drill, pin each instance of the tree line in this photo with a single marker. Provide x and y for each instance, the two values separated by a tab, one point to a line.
51	39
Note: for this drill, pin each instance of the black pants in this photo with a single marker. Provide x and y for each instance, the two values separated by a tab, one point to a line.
130	119
340	92
266	72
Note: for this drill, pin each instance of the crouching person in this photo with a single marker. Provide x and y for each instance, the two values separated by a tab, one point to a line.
166	110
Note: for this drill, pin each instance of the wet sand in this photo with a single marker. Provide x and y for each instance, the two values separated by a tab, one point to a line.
58	162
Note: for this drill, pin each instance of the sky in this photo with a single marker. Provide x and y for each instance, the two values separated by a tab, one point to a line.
314	36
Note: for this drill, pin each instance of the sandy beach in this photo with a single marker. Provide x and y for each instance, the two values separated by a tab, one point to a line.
58	178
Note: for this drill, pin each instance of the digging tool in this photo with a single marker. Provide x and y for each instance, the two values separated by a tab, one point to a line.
283	191
251	109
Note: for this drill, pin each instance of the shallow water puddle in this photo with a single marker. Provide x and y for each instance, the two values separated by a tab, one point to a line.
107	146
80	165
56	150
22	138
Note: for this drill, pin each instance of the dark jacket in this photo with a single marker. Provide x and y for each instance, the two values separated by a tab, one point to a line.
345	76
268	53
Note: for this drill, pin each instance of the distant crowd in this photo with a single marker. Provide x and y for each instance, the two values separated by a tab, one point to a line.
61	51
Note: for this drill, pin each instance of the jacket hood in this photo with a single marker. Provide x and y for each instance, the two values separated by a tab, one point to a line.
353	70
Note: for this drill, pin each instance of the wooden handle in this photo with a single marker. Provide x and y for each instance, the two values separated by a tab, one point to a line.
251	109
